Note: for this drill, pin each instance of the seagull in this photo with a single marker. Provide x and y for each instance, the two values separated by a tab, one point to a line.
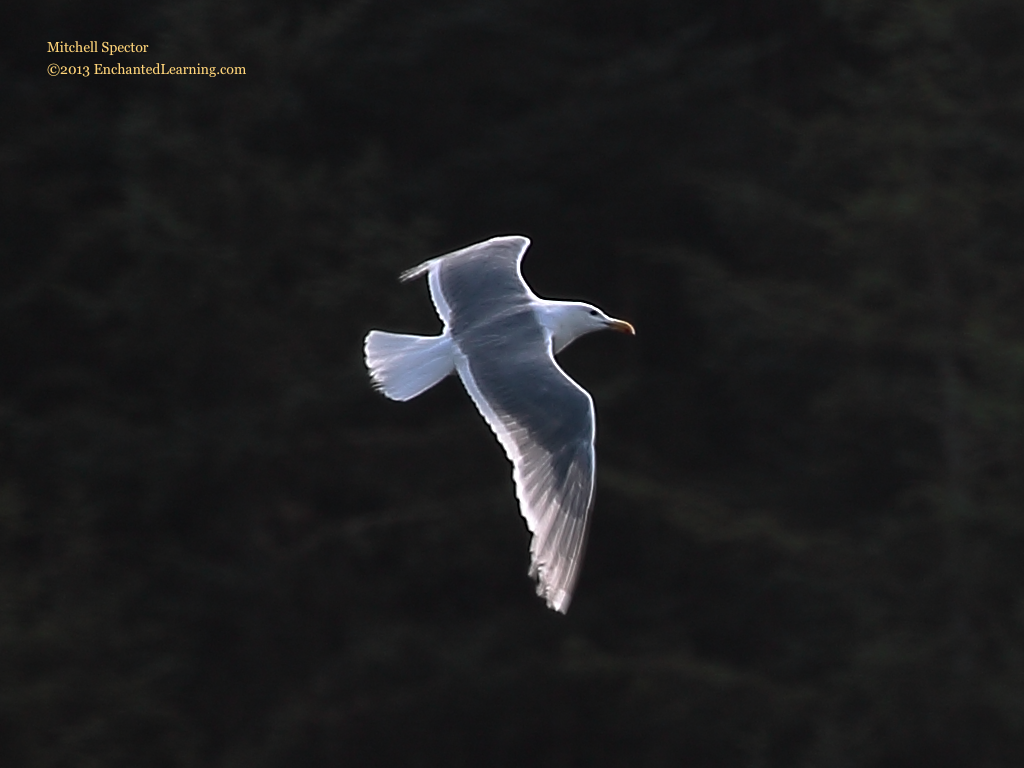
501	339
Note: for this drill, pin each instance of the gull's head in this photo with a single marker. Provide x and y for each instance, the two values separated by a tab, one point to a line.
568	320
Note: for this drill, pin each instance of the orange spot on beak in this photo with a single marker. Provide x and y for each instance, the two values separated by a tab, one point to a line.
622	327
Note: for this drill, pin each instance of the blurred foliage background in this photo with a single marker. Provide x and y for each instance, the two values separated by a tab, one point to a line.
218	547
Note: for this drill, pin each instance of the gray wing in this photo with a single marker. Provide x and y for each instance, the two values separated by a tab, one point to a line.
477	282
542	418
545	423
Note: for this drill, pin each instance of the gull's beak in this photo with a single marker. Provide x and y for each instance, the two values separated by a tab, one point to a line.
622	327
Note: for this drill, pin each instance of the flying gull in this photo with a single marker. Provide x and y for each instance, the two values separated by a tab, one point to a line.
502	339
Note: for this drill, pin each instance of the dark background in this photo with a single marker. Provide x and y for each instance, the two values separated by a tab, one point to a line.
219	547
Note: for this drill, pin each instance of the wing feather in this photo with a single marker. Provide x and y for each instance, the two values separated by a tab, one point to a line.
555	502
489	270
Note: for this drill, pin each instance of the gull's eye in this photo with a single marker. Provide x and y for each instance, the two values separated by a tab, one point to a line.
593	313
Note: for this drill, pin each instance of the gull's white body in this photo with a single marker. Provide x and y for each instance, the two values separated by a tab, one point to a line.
403	365
501	339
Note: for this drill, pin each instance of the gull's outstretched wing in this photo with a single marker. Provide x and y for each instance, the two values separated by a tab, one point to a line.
476	282
545	422
542	418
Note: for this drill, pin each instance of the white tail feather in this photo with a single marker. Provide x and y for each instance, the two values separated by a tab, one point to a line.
403	366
